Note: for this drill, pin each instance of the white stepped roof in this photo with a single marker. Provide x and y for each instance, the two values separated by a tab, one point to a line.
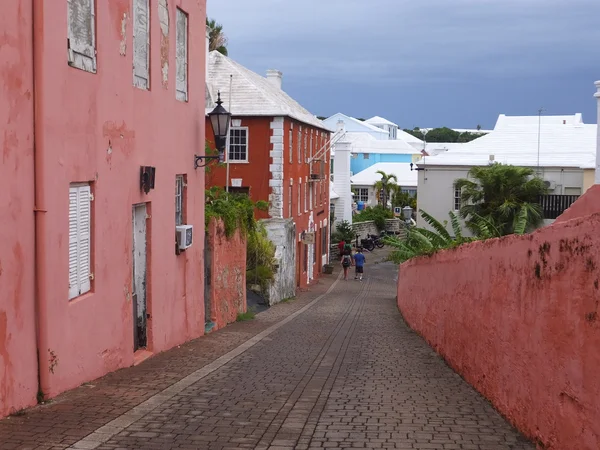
369	176
565	141
252	94
365	143
380	121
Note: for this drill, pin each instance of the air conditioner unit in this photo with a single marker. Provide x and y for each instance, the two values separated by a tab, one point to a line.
550	185
185	236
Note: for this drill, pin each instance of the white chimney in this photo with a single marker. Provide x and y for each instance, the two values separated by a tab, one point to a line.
275	77
597	95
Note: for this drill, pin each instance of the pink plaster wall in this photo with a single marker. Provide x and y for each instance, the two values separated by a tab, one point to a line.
99	128
18	367
518	318
228	269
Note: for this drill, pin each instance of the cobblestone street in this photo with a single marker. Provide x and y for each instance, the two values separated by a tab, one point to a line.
334	368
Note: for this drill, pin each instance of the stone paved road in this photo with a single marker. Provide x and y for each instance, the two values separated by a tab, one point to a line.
336	368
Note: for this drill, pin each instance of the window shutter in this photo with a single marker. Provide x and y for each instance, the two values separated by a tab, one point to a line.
84	204
141	44
181	55
81	32
73	243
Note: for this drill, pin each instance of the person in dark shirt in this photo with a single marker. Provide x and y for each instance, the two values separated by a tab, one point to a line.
359	263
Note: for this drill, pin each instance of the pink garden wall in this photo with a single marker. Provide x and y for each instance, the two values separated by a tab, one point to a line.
228	275
18	367
519	319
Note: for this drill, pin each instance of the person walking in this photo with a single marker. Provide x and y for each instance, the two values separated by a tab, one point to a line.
346	263
359	262
341	246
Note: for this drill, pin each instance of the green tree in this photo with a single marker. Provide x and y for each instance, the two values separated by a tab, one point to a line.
504	195
216	38
444	134
403	199
423	241
386	186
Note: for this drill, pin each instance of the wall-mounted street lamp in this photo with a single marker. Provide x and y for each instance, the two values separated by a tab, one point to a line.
219	121
416	168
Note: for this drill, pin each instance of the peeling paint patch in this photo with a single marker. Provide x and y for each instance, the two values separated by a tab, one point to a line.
123	44
163	18
120	137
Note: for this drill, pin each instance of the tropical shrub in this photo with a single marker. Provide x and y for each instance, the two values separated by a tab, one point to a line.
343	232
378	214
505	195
423	241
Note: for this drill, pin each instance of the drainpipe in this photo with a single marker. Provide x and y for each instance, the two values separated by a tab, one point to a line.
39	202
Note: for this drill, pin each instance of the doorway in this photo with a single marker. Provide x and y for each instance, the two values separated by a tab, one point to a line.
298	264
140	310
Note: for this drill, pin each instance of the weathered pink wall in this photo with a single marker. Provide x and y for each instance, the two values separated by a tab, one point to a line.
18	366
228	269
518	318
99	128
588	203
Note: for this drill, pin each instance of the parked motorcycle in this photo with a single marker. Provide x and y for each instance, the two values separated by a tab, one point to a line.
367	244
378	240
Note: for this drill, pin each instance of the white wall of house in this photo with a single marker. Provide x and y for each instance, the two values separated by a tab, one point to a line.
436	193
341	181
597	95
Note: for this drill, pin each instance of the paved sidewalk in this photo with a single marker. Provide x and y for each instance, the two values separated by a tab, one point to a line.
335	368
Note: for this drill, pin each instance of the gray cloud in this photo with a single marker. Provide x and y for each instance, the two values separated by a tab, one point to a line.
404	41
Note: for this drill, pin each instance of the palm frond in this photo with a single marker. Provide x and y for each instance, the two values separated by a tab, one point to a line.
436	225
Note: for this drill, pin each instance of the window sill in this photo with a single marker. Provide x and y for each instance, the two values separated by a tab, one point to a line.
81	298
237	162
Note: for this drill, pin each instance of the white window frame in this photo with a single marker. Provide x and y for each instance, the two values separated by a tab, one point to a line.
179	199
81	55
300	197
457	199
80	239
291	143
141	40
300	145
181	56
305	197
232	143
362	195
291	198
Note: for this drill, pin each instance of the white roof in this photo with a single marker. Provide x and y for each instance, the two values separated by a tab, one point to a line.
369	176
365	143
380	121
589	164
332	194
407	137
505	121
515	141
252	94
370	127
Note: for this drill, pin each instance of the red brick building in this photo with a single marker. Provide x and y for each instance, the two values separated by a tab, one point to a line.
278	152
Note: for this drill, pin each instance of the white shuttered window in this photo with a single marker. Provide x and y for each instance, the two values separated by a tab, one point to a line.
141	44
79	239
81	34
181	56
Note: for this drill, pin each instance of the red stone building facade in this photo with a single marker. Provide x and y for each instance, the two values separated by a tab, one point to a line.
278	152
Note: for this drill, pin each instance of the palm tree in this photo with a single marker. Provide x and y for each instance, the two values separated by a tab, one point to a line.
504	195
423	241
386	186
216	38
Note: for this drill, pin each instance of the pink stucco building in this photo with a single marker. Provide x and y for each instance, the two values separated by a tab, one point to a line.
91	277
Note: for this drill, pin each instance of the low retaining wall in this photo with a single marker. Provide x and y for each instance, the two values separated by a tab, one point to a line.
228	275
519	319
282	232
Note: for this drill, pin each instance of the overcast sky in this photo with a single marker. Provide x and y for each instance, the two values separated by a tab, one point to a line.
456	63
